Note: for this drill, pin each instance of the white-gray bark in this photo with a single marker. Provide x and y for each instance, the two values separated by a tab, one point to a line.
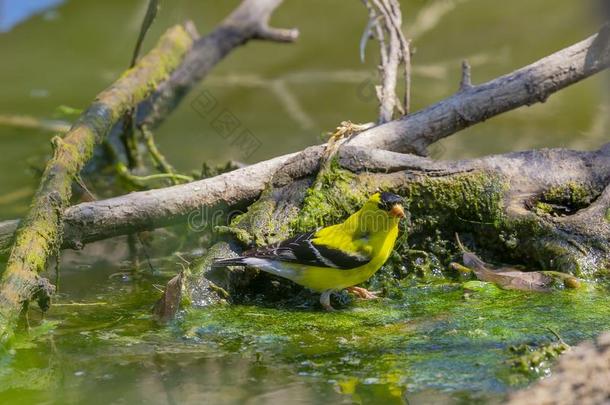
149	209
529	85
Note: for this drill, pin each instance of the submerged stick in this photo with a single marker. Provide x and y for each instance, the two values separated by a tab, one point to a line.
39	234
28	122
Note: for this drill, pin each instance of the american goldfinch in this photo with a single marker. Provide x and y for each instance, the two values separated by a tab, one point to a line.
336	257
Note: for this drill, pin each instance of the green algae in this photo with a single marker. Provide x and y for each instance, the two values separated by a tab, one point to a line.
431	334
567	198
249	227
433	337
407	340
438	339
472	204
530	359
469	203
331	199
543	208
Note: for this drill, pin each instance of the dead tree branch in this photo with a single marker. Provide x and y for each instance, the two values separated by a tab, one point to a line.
385	23
529	85
247	22
156	85
466	82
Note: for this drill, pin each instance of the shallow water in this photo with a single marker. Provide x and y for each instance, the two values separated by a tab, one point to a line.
427	344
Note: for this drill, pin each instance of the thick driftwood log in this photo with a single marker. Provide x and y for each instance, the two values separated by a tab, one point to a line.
39	234
546	209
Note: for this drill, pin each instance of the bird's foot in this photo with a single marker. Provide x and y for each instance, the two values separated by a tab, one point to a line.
362	293
325	301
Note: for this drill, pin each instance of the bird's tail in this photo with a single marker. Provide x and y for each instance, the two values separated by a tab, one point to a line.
234	261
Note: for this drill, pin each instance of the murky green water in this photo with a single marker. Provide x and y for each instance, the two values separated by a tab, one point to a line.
429	342
99	344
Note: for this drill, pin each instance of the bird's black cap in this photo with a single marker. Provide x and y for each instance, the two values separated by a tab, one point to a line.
388	200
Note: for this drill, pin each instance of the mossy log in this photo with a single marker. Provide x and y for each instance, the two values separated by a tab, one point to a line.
39	234
545	209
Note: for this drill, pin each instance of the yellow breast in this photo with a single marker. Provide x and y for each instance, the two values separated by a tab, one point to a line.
324	278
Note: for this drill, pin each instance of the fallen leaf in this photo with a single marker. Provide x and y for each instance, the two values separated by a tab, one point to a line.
512	279
167	306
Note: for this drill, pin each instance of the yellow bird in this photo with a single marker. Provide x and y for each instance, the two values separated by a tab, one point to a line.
336	257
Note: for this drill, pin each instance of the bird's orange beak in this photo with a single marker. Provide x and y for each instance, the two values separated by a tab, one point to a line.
398	211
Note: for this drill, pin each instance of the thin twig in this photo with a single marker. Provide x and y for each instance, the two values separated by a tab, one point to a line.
385	22
160	161
466	82
29	122
139	181
149	18
129	128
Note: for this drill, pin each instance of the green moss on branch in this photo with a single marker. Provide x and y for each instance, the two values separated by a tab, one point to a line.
39	234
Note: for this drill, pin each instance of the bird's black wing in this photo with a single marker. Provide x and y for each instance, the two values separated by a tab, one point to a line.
302	250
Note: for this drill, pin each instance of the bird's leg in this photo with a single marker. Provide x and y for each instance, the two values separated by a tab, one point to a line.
362	293
325	300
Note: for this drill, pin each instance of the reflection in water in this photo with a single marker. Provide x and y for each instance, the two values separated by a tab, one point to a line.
12	12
